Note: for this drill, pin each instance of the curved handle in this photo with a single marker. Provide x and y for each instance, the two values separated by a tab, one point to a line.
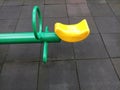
36	11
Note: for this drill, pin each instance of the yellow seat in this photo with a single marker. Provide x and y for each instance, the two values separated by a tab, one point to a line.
72	33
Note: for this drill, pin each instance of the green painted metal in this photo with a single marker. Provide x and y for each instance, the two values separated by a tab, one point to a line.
32	37
27	37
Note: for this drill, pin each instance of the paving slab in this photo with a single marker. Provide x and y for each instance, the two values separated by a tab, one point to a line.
58	76
115	8
112	42
91	23
100	10
7	25
50	22
10	12
116	63
55	1
33	2
60	51
118	18
108	24
97	1
97	75
26	12
24	52
13	2
19	76
1	2
92	47
3	53
75	1
24	25
113	1
55	11
78	10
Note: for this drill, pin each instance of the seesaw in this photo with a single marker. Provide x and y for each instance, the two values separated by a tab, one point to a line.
68	33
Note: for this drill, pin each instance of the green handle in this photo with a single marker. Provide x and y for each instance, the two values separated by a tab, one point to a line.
34	14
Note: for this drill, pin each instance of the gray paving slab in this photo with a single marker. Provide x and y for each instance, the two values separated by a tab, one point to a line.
58	76
115	8
91	23
112	42
19	76
97	1
116	63
100	9
24	52
1	2
55	1
75	1
78	10
108	24
7	25
33	2
26	12
60	51
97	75
10	12
3	53
13	2
92	47
118	18
55	11
113	1
24	25
50	22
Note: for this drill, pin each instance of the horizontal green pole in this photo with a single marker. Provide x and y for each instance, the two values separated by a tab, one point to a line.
28	37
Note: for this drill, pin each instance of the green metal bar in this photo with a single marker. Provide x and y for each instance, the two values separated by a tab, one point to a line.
45	48
27	37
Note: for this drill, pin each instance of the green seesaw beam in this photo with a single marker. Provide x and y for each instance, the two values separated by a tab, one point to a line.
28	37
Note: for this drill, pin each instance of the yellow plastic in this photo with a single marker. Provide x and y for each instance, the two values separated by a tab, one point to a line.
72	33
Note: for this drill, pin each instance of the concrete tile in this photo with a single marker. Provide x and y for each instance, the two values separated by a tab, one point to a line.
55	1
58	76
55	11
27	11
1	2
50	22
10	12
91	23
3	53
116	63
19	76
33	2
24	25
112	42
116	8
97	75
13	2
92	47
108	24
97	1
113	1
118	18
7	25
75	10
100	10
60	51
76	1
24	52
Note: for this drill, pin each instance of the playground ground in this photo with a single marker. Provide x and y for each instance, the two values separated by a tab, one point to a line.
93	64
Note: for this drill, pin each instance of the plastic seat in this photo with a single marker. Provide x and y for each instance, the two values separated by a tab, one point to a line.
74	32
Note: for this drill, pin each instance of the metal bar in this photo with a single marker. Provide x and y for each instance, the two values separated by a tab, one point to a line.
27	37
